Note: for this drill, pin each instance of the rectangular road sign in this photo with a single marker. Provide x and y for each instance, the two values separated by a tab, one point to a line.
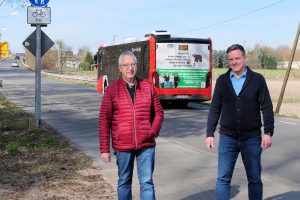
38	15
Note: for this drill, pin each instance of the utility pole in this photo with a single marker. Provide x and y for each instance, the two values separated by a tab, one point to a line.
288	71
114	37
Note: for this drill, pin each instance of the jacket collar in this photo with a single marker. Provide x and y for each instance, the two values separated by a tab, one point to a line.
137	82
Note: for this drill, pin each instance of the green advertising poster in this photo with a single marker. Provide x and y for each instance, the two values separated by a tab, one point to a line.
182	65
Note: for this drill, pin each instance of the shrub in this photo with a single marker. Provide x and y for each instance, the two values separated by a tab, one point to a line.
85	66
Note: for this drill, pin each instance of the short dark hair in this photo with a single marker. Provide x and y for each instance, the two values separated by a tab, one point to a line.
236	47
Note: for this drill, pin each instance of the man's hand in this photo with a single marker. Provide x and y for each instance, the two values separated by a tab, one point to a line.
266	141
210	143
105	157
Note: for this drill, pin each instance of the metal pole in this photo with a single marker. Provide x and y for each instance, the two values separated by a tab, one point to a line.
288	71
38	62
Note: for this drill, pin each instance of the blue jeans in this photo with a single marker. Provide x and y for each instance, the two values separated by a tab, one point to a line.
145	159
228	151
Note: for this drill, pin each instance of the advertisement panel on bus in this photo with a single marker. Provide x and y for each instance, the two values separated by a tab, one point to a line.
182	65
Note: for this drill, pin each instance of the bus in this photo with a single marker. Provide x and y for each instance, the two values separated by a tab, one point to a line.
180	68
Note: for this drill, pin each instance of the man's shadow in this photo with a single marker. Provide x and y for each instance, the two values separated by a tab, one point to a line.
292	195
210	194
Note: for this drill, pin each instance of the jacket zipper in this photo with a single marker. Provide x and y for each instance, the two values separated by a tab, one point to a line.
134	120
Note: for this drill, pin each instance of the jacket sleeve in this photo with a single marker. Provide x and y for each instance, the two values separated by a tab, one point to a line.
214	110
157	113
105	122
266	106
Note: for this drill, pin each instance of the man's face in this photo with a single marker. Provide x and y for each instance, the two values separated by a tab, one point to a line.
236	61
128	68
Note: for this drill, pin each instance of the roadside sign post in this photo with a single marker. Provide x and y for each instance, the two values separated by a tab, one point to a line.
38	64
38	15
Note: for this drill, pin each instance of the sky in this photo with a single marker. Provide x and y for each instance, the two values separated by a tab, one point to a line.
94	22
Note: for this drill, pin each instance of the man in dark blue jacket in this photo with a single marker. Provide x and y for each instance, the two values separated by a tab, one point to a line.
240	96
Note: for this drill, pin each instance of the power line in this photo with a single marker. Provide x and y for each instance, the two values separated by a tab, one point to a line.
2	3
233	18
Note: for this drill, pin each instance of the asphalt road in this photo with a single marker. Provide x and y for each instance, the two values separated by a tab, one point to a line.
182	158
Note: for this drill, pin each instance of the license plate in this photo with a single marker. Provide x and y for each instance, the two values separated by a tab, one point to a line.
182	96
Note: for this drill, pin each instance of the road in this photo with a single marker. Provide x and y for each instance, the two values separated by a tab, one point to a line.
185	169
6	62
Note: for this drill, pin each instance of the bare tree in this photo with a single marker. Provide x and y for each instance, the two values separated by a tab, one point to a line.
15	3
64	52
49	60
29	59
282	52
82	52
54	59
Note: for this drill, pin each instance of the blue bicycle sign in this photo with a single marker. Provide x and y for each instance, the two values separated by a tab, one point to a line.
39	3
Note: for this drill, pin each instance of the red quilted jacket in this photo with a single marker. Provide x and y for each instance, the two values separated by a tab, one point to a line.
131	127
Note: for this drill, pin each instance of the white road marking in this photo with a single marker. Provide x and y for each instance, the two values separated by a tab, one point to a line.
288	122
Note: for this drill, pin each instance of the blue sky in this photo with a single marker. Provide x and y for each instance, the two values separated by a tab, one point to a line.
92	22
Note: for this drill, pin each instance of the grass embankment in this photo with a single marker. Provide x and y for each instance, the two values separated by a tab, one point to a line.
38	161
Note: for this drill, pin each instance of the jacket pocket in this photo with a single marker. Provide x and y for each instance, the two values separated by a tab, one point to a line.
124	133
144	130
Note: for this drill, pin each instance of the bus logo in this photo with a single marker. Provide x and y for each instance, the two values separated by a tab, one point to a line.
170	46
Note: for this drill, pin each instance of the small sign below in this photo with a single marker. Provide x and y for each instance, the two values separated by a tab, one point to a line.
38	15
39	3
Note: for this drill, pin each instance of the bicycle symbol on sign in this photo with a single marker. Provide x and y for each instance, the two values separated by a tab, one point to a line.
38	13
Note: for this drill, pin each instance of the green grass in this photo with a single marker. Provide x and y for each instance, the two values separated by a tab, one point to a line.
17	129
28	152
267	73
50	141
91	73
12	146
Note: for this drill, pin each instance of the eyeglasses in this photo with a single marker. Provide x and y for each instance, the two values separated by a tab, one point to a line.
128	65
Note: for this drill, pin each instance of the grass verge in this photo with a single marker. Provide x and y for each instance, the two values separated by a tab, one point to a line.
38	163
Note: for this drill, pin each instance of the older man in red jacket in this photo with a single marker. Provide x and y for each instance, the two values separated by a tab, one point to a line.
131	114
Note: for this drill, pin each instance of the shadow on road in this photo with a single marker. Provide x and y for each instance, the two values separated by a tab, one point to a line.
190	106
210	194
293	195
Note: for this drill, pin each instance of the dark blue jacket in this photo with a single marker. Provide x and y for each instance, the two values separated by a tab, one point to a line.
241	115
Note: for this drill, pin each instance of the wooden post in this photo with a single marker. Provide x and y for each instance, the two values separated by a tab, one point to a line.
288	71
